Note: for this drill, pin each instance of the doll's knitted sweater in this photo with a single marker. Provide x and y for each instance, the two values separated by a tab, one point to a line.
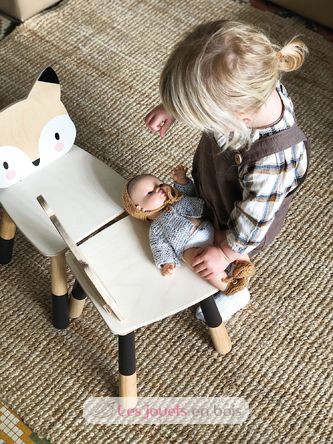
170	232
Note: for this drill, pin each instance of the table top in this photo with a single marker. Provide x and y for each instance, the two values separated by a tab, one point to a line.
120	255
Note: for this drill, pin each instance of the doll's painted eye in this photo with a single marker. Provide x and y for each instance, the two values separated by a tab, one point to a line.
5	165
57	136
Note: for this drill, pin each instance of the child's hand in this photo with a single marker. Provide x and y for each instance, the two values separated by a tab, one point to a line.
178	174
211	262
167	269
158	120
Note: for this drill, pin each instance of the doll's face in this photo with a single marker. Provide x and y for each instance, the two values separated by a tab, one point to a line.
148	193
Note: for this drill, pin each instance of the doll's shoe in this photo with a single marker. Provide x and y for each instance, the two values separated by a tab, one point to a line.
228	305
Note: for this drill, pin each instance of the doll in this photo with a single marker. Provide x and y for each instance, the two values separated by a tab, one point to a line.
177	231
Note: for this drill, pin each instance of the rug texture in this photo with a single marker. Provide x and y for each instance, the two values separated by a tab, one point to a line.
108	56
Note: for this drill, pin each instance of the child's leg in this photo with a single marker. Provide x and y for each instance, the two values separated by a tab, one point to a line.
217	281
220	236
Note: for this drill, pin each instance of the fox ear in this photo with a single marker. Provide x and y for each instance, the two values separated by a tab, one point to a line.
48	76
47	82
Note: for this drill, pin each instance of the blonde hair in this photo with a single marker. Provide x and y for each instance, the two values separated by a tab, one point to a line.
222	68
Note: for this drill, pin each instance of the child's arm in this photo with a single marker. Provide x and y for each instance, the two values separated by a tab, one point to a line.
159	121
266	183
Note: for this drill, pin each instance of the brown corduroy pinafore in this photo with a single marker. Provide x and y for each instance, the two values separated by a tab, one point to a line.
215	175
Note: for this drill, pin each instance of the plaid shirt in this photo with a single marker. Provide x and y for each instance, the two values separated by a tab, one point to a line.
265	184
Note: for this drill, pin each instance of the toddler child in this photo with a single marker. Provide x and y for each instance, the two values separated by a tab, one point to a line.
224	79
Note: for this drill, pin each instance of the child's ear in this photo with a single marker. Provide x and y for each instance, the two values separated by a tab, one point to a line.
47	82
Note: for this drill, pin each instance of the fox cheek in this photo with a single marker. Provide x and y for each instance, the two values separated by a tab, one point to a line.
11	174
59	147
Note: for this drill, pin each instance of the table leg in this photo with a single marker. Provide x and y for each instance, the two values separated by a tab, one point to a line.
217	330
59	292
127	370
77	301
7	236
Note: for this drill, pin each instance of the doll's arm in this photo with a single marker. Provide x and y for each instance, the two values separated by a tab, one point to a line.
163	253
182	182
167	269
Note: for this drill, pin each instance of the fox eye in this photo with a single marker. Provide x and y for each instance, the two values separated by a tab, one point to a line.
57	136
5	165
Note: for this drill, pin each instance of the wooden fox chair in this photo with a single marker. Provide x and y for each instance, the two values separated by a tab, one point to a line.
107	251
37	154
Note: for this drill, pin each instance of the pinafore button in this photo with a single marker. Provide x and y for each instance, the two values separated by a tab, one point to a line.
238	159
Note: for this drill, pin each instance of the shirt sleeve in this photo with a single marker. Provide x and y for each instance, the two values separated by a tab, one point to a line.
265	185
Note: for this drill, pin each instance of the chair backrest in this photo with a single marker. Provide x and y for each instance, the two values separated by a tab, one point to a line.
34	131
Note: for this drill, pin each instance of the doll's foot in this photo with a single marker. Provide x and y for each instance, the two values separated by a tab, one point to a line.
228	305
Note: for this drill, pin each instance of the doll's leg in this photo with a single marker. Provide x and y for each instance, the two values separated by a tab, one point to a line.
216	281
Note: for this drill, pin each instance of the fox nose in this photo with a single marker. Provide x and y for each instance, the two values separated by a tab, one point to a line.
36	162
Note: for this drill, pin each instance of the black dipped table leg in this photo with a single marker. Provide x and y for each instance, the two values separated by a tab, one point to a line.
126	344
217	330
127	370
6	250
211	313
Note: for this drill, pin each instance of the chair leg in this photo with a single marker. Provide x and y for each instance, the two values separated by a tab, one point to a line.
60	315
77	301
7	235
217	330
127	370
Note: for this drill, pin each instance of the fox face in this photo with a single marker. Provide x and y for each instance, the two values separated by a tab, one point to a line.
34	131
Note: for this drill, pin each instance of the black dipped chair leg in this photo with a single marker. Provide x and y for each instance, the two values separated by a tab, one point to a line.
60	310
7	237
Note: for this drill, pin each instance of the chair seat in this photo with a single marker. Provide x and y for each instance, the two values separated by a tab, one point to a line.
84	192
120	256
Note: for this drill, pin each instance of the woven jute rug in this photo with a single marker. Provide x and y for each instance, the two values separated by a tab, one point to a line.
108	56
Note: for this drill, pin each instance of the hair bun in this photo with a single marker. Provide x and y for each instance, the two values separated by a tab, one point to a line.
291	56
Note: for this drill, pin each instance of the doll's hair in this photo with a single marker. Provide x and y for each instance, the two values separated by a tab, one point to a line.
221	68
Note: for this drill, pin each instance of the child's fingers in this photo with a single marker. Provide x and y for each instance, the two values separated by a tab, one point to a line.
148	118
205	274
199	268
197	260
209	276
164	128
154	124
